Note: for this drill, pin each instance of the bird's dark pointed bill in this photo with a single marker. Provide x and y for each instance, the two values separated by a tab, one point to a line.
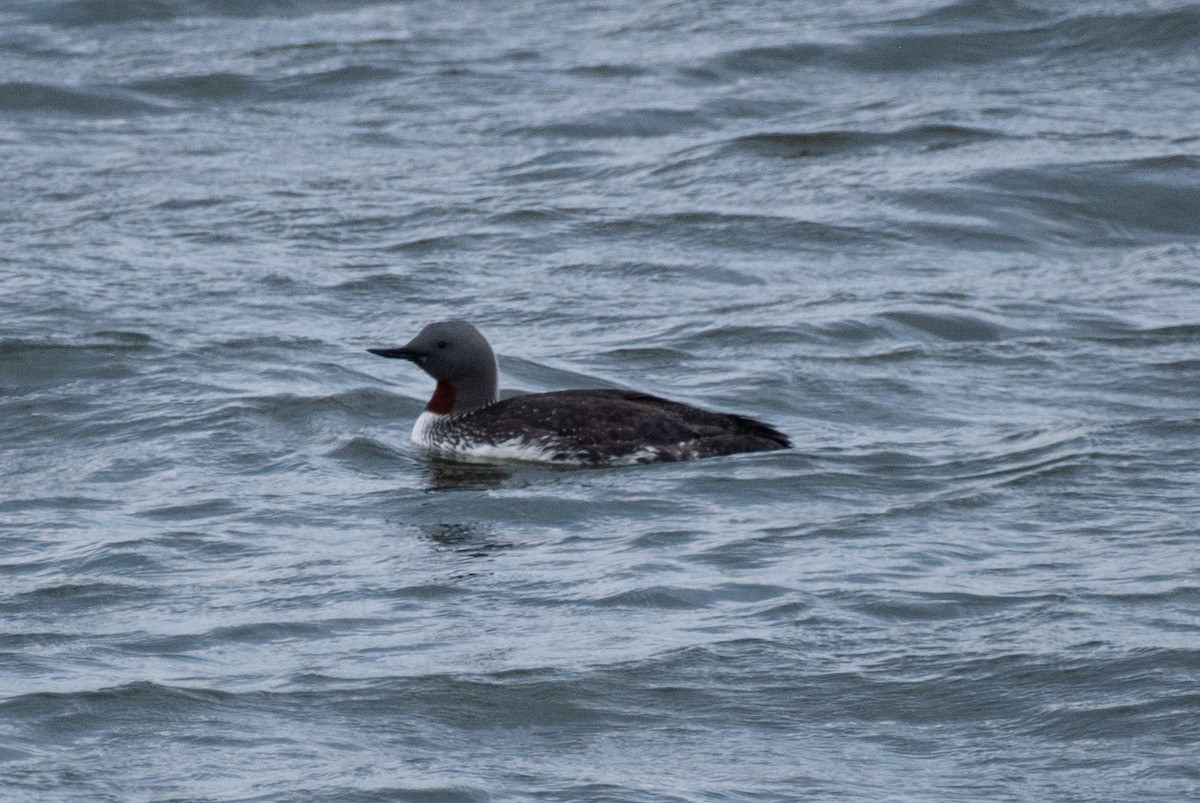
402	353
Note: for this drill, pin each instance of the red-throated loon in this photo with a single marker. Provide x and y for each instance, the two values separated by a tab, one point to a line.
465	416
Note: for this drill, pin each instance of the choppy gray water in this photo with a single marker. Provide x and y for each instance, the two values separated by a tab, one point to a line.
952	248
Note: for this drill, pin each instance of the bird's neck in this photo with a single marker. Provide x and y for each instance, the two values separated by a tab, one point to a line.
442	401
465	394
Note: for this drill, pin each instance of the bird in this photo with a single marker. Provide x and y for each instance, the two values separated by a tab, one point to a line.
466	418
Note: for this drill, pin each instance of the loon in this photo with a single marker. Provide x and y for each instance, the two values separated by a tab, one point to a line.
466	418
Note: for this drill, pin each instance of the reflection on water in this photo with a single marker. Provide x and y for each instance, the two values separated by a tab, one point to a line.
455	475
472	540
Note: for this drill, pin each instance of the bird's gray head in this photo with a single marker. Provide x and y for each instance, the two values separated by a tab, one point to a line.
459	358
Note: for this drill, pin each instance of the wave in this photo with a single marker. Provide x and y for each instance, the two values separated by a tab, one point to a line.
81	13
691	598
810	144
24	97
975	14
761	60
71	598
731	231
955	327
974	32
1097	204
647	122
226	86
364	403
1134	32
32	364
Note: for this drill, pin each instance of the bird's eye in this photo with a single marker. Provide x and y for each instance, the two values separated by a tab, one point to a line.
442	344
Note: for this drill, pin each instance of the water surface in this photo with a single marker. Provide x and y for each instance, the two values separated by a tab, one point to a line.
951	248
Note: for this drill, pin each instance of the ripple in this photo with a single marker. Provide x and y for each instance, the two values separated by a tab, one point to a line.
1139	201
975	14
207	87
967	33
936	607
112	12
680	598
68	598
88	709
760	60
609	71
1123	334
227	86
27	365
649	122
1023	455
192	511
59	503
105	12
360	403
1157	30
23	97
812	144
955	327
732	231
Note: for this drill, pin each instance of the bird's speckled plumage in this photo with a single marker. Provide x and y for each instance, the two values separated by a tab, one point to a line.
585	427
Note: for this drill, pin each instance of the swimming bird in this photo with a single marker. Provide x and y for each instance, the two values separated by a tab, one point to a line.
466	418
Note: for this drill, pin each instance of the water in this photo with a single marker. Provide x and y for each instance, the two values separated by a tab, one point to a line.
951	248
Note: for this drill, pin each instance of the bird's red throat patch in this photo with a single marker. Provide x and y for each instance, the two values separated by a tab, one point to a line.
443	399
